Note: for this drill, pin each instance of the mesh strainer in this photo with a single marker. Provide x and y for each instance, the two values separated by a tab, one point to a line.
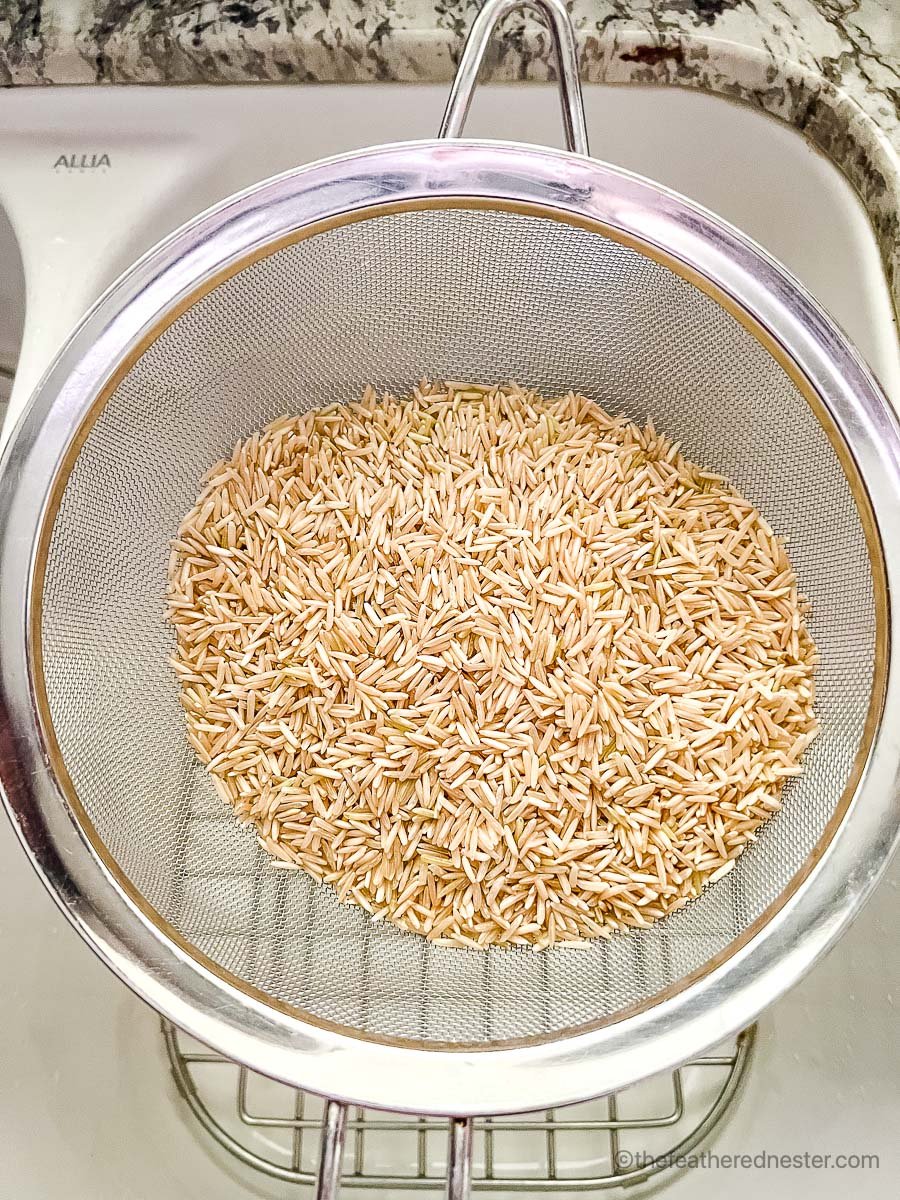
468	260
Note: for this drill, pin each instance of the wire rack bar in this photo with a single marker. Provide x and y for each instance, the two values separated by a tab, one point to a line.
244	1132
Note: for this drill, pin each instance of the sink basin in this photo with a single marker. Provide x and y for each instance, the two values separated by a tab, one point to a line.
94	176
91	178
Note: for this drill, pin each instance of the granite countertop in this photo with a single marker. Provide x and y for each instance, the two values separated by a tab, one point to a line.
830	67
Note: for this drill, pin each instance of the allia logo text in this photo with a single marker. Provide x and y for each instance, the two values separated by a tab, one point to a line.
82	162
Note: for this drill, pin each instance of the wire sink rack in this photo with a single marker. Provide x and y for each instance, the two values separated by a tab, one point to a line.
624	1138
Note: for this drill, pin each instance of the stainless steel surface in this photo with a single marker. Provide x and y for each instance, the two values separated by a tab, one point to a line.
7	378
459	1158
555	270
565	51
558	1151
331	1150
106	651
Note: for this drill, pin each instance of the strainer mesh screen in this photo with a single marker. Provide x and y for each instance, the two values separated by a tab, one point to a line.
473	294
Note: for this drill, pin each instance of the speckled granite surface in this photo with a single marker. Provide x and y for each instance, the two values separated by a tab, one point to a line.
830	67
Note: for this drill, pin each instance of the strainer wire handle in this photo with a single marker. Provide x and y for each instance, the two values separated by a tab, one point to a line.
331	1154
565	49
459	1159
331	1151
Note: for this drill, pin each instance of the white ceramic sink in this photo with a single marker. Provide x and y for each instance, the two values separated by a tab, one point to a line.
90	178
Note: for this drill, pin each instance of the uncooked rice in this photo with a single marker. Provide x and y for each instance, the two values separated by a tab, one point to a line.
500	669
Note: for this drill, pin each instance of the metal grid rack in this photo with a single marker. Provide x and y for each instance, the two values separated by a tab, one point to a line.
622	1139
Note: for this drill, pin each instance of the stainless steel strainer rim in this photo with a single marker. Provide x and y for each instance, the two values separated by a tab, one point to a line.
188	992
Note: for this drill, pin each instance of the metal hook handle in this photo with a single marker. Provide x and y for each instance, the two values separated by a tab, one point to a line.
557	20
459	1158
331	1151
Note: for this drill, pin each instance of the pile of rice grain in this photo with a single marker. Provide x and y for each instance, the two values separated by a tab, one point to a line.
498	668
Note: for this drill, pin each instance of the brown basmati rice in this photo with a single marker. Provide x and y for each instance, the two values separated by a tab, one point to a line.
497	668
